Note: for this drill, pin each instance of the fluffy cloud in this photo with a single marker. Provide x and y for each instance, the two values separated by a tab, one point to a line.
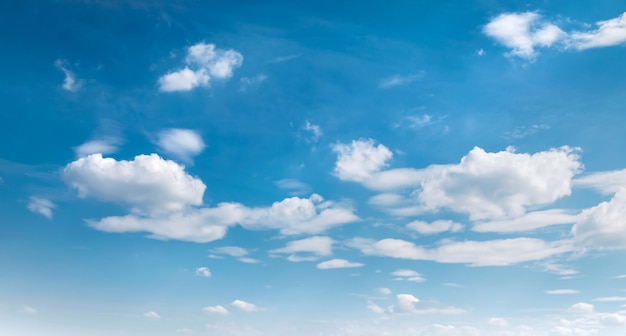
245	306
219	310
307	249
501	252
203	62
608	33
384	291
435	227
523	33
69	83
103	146
149	184
406	302
603	226
359	160
484	185
409	275
181	143
608	183
41	206
151	315
338	263
203	272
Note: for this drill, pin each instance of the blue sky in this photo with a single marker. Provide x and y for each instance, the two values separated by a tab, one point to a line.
362	168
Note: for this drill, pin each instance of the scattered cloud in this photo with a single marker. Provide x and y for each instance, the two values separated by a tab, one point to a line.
607	183
558	269
314	130
562	291
419	121
203	272
407	303
384	291
435	227
295	187
285	58
151	315
608	33
500	252
41	206
399	80
104	146
581	308
25	309
360	160
603	226
203	62
233	251
219	310
245	306
611	299
622	276
498	322
525	131
148	184
527	222
70	83
307	249
409	275
338	263
375	308
183	144
247	82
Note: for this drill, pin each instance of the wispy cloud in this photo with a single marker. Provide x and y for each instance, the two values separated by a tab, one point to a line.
41	206
70	83
400	80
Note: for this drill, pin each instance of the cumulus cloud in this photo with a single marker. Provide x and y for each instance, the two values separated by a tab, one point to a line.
245	306
307	249
359	160
151	315
108	145
338	263
41	206
435	227
203	62
608	33
70	83
149	184
409	275
604	225
183	144
384	291
523	33
203	272
219	310
500	252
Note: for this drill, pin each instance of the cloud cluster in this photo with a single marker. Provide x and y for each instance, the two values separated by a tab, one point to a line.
203	62
524	33
166	202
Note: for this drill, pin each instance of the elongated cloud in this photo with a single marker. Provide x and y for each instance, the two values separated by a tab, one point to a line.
338	263
41	206
181	143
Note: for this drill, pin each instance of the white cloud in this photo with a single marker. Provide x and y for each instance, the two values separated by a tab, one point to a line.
384	291
103	146
525	131
558	269
409	275
399	80
28	310
375	308
603	226
498	322
608	33
523	33
315	130
562	291
245	306
527	222
608	183
151	315
233	251
622	276
297	188
181	143
435	227
501	252
581	308
338	263
41	206
611	299
247	260
247	82
148	184
359	160
313	248
203	62
203	272
407	302
219	310
69	83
